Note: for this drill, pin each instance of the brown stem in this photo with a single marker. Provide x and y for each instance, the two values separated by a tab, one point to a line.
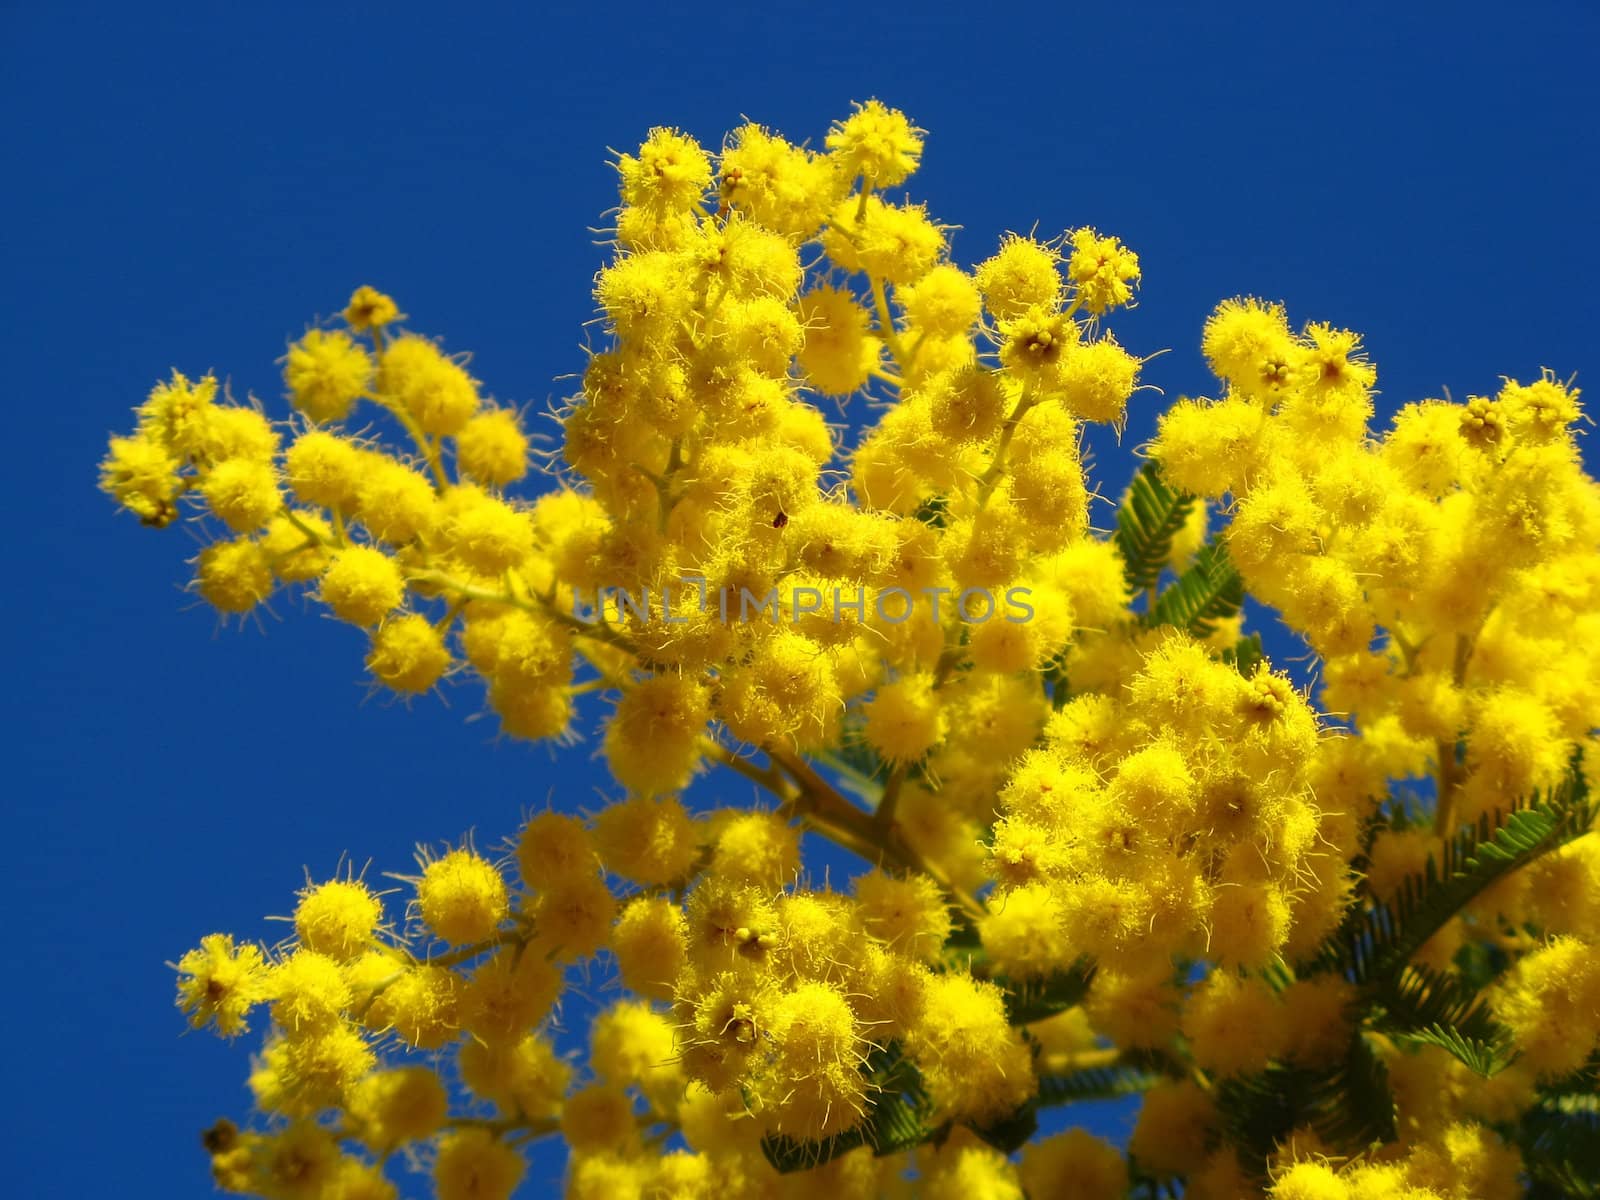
857	831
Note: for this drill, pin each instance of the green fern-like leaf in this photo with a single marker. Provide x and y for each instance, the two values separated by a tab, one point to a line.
1143	1186
1422	1006
1134	1073
1097	1083
1354	1105
857	765
1011	1133
1480	963
1054	679
1486	1058
897	1119
1209	591
1375	942
1245	655
1034	1000
1150	517
1349	1105
1560	1142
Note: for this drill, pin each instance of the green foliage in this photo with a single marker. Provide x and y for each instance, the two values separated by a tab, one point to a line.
1405	808
1150	517
896	1120
1034	1000
1209	591
856	764
1011	1133
1480	963
1376	941
1349	1105
1150	1187
1125	1078
1245	655
900	1114
1056	684
932	511
1422	1006
1560	1142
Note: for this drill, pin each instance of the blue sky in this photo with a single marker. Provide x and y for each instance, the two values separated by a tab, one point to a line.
189	185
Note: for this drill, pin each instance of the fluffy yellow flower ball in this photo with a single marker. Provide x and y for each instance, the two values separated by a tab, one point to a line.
462	897
337	918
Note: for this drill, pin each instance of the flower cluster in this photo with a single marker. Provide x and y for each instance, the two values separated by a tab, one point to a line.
1108	848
